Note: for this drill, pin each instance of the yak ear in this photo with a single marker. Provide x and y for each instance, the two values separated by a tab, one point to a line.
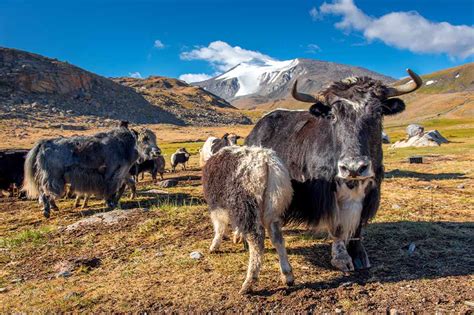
320	110
225	136
392	106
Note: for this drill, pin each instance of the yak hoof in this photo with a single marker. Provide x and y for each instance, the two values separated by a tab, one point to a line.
246	288
359	255
343	262
46	214
288	279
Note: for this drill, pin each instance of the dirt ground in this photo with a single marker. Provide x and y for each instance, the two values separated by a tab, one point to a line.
421	247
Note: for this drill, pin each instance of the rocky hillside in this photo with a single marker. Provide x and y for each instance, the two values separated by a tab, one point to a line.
267	84
32	85
38	89
191	104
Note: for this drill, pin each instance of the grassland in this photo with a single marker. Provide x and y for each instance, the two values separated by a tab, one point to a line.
143	264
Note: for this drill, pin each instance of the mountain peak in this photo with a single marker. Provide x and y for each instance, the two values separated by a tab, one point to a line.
256	82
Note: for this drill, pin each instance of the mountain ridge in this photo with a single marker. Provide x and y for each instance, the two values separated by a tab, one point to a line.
272	81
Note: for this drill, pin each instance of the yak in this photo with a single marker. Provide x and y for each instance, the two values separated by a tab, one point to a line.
97	165
333	152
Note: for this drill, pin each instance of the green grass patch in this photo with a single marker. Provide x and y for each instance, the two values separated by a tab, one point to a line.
33	236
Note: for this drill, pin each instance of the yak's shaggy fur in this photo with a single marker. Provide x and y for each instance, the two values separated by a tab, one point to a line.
250	188
97	164
343	125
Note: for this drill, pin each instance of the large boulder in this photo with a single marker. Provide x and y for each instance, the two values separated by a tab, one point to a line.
431	138
415	130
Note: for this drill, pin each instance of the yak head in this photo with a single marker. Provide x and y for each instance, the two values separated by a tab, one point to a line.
354	108
146	144
230	138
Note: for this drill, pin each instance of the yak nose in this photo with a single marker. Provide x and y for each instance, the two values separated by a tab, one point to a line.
156	151
354	167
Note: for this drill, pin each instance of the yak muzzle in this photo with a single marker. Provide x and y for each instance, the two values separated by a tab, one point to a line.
355	168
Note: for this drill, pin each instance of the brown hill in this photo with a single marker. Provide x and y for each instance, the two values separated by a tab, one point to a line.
45	91
191	104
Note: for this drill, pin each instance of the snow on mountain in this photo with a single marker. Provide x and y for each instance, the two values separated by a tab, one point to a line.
250	75
263	81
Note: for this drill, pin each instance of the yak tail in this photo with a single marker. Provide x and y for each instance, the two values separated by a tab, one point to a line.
30	185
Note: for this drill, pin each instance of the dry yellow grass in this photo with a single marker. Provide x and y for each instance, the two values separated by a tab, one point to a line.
145	264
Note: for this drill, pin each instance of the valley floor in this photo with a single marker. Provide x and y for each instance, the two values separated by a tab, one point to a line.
142	263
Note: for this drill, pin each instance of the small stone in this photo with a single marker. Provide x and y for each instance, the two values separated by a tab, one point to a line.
3	290
64	274
396	206
16	280
159	254
169	183
196	255
338	311
346	284
461	186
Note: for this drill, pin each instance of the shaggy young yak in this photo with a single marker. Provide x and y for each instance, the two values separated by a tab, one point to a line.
97	165
213	144
334	156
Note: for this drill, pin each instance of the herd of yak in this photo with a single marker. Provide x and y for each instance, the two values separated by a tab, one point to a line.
322	168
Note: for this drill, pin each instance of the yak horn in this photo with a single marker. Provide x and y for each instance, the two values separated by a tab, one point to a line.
302	97
408	87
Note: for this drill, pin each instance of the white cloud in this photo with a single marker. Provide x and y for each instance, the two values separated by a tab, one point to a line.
315	14
135	75
404	30
158	44
222	56
313	48
194	77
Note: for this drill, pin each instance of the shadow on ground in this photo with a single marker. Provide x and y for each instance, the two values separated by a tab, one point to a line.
442	249
423	176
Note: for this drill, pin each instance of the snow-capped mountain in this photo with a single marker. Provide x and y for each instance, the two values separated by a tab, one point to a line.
250	84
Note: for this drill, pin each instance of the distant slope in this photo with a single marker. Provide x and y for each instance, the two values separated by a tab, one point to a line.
447	93
32	85
191	104
41	89
267	84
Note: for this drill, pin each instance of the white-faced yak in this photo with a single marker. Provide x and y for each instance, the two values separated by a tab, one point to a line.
333	152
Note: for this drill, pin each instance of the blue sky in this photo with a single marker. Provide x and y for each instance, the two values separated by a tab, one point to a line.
117	38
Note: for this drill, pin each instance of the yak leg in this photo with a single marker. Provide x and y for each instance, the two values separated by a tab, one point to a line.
357	251
86	199
220	220
52	202
77	201
46	205
279	243
340	257
255	240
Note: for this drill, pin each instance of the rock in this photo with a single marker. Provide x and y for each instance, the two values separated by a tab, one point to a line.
338	311
414	130
159	254
196	255
461	186
108	218
395	206
431	138
3	290
385	138
64	274
168	183
155	192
